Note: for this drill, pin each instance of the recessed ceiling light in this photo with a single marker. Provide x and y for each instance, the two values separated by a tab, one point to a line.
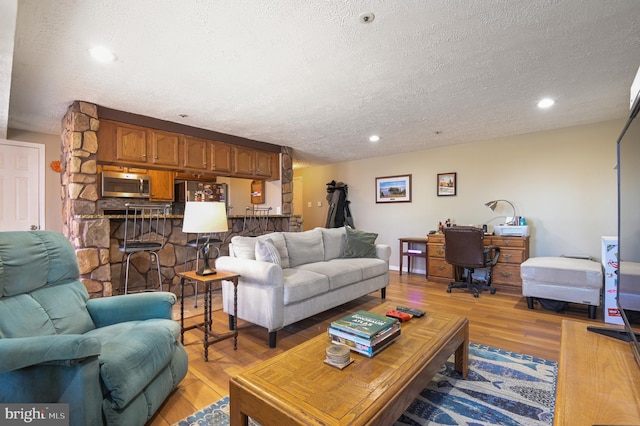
102	54
546	103
374	138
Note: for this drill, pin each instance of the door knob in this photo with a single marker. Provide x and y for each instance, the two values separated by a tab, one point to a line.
34	227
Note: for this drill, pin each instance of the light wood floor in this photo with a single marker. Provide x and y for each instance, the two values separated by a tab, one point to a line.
501	320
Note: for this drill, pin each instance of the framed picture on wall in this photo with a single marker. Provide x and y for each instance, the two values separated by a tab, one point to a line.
447	184
393	189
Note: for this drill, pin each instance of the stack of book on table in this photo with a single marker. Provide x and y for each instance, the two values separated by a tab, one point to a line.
365	332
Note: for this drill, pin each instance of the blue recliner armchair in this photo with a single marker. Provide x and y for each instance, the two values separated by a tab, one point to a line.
114	360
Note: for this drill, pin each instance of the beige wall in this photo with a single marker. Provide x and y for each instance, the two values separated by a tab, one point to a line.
53	201
563	182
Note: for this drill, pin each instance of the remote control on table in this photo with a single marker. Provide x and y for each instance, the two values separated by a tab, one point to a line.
402	316
415	312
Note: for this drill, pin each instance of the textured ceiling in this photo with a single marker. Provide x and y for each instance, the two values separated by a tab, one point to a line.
310	75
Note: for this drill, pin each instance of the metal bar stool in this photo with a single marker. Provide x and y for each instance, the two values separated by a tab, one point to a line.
144	232
256	220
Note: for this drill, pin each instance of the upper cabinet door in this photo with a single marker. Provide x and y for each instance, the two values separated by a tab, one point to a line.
161	185
195	153
264	164
243	159
220	157
131	144
165	148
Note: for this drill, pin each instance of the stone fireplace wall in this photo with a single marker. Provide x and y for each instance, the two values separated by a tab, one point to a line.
79	178
96	238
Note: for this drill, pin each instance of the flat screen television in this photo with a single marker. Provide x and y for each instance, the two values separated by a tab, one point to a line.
628	294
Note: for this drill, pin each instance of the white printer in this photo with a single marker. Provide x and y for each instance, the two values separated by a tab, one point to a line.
512	230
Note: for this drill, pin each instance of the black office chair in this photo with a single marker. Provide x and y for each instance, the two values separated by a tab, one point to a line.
464	248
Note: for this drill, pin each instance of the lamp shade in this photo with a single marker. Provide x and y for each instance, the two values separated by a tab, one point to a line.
204	216
492	205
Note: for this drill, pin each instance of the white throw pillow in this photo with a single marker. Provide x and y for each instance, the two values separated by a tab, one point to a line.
277	239
266	251
244	247
304	247
333	239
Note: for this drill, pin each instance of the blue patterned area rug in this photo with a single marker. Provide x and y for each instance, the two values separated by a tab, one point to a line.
502	388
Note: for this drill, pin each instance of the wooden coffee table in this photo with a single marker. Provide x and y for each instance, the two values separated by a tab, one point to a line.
298	388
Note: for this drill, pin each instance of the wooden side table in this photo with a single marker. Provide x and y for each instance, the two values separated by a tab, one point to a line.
205	326
412	244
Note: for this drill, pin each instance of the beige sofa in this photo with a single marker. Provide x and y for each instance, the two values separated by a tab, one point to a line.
289	276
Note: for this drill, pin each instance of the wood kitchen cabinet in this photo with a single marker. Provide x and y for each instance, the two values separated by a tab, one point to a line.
220	157
243	160
194	153
165	148
161	186
255	163
131	144
267	164
122	143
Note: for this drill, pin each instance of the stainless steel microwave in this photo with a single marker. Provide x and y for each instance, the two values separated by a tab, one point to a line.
128	185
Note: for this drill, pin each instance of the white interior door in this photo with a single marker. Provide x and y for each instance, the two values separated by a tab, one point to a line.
21	186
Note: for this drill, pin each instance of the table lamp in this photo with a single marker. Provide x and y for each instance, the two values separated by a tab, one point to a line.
492	205
205	217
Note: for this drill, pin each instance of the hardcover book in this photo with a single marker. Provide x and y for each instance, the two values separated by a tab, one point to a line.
363	340
365	350
364	323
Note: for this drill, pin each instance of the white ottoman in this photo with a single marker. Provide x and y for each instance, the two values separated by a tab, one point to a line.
564	279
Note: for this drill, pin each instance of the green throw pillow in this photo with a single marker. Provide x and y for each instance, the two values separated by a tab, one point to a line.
360	243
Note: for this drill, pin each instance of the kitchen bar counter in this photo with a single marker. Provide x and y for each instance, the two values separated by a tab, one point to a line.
107	229
172	216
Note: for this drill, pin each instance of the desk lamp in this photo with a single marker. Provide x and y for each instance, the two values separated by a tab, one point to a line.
492	205
205	217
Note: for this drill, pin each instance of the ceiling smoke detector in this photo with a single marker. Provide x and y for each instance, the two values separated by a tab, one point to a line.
366	18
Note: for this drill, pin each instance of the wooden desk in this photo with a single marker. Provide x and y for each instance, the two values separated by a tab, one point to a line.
598	379
411	243
298	388
505	274
205	326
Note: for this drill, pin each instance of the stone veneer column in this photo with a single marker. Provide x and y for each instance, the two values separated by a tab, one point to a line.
286	178
79	178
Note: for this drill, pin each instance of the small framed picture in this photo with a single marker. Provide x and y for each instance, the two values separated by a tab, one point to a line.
447	184
393	189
